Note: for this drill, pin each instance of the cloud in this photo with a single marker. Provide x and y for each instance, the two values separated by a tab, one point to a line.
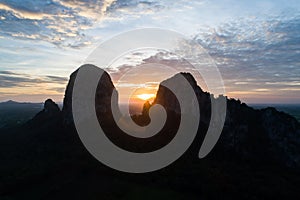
60	90
257	57
9	79
254	48
264	51
130	7
7	73
90	9
57	78
64	23
25	14
60	22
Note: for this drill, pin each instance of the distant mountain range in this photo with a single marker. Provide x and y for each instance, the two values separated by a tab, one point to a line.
14	113
291	109
256	157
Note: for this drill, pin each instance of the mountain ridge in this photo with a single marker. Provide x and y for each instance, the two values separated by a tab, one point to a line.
242	124
257	155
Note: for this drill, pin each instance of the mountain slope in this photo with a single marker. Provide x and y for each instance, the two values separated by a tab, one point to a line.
256	157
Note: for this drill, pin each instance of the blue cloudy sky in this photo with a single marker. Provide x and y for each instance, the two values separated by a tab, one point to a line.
255	44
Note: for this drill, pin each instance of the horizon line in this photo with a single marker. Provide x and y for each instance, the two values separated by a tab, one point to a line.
124	103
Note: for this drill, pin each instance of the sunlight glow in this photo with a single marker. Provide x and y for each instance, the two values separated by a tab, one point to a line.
145	96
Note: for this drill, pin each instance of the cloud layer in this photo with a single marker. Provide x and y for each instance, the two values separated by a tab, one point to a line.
258	56
60	22
14	84
256	44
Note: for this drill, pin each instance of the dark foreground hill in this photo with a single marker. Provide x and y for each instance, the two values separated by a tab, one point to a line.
256	157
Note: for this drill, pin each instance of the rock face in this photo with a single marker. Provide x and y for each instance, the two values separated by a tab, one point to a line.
49	117
264	135
50	111
50	107
67	104
284	132
256	157
103	97
166	98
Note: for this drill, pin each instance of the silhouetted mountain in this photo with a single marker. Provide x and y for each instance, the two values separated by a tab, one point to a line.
265	135
256	157
102	100
50	115
166	98
50	110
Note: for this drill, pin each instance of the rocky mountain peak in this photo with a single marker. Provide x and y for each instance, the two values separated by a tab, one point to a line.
166	97
51	107
247	132
102	97
50	113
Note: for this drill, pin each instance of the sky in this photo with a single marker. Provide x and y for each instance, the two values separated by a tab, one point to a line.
255	44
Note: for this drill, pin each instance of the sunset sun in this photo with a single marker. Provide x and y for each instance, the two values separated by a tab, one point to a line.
145	96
